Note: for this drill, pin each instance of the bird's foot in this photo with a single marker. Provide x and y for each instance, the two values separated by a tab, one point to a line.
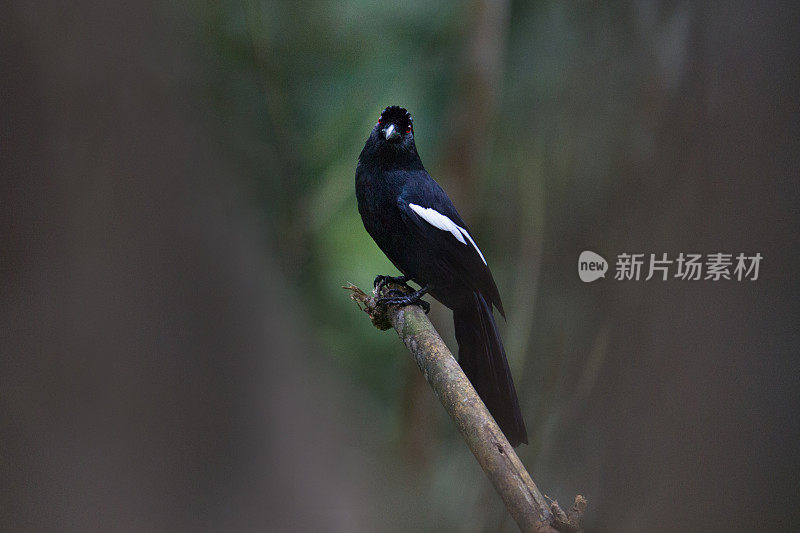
401	299
381	281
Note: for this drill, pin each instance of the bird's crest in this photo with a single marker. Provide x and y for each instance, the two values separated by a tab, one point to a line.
397	115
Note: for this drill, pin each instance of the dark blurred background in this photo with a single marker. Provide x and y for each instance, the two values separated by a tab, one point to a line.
178	216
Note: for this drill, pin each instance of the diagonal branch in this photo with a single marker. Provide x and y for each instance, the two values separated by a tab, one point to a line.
521	496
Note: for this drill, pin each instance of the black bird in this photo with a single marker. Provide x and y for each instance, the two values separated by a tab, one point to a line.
416	225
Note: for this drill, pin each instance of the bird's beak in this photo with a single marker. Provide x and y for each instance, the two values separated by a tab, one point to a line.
391	134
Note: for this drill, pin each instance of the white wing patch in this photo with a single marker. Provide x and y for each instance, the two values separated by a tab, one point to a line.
438	220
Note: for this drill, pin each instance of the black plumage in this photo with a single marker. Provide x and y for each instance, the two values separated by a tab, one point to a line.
416	225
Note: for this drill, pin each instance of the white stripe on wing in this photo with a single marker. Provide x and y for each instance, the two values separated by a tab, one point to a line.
438	220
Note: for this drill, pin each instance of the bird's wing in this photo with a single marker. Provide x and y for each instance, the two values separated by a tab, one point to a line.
428	212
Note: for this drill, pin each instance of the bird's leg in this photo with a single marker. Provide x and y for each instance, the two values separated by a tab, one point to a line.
407	299
381	280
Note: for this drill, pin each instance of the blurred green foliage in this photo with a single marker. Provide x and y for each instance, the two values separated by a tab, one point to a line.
300	86
574	115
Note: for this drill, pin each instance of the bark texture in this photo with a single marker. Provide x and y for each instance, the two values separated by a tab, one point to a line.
523	499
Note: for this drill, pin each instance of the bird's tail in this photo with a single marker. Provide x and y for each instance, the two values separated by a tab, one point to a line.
483	359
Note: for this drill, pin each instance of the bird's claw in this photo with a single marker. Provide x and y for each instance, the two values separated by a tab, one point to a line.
403	301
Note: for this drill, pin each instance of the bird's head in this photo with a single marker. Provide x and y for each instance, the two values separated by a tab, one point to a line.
395	127
391	142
